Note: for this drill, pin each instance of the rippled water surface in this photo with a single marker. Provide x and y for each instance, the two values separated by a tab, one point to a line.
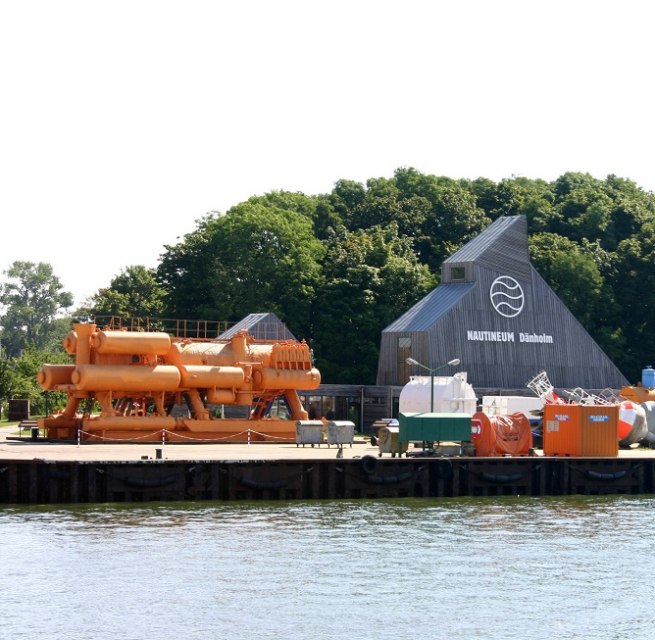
490	568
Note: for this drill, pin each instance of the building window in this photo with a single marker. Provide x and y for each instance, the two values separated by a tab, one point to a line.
457	274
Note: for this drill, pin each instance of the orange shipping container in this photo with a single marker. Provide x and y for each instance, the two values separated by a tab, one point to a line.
581	430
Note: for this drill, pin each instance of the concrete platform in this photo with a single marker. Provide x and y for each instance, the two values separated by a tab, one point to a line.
27	449
40	472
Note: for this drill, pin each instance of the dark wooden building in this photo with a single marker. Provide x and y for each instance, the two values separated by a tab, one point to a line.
496	314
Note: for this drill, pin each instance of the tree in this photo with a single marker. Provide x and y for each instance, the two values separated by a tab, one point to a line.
346	195
371	277
33	296
256	258
8	382
571	273
632	207
454	220
21	381
184	272
635	296
408	214
288	201
134	293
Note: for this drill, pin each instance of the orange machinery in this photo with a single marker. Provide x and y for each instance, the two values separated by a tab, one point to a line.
133	380
638	393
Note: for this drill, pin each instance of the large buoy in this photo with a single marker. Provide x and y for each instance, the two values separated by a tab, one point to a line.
632	425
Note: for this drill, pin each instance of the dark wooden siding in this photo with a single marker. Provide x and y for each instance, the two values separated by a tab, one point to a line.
573	359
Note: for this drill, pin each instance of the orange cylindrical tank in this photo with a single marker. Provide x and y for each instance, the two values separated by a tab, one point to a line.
155	343
126	378
214	354
70	342
199	376
219	353
269	378
220	396
54	374
243	397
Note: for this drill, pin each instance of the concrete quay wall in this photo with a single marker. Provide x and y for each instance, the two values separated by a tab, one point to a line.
39	481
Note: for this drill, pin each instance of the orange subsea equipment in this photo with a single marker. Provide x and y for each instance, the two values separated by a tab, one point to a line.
149	386
501	435
638	393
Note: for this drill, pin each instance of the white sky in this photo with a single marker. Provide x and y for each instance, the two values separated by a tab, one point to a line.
122	123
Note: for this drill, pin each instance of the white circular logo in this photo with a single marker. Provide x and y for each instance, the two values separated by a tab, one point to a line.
506	296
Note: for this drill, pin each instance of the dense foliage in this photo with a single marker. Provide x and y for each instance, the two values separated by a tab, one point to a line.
339	267
31	332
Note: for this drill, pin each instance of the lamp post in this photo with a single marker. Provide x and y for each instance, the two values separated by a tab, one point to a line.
452	363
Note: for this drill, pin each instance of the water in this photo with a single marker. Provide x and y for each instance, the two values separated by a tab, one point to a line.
503	568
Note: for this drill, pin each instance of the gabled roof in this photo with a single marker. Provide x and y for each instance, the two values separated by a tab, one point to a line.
502	246
431	308
263	326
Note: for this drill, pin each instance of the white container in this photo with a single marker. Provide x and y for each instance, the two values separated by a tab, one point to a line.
507	405
452	394
340	432
309	432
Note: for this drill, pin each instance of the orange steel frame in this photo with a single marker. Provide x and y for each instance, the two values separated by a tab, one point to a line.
132	379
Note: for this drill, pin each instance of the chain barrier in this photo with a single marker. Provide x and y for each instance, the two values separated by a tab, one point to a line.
94	435
248	433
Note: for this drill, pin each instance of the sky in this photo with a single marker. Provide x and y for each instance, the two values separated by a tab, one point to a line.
123	123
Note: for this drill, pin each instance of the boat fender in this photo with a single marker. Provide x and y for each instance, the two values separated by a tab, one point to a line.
59	474
150	483
598	475
444	469
391	479
369	464
500	478
272	484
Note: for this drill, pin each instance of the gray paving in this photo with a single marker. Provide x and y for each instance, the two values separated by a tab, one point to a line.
27	449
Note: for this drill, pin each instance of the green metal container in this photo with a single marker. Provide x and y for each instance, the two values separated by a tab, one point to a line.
434	427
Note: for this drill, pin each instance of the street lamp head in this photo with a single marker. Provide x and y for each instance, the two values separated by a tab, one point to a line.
454	362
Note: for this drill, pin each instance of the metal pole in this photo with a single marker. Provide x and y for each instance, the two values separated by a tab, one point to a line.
432	391
453	362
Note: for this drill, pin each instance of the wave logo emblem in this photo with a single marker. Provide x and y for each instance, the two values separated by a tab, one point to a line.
507	296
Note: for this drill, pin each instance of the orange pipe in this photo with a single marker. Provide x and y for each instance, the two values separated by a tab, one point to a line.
83	343
220	396
199	376
70	342
269	378
297	410
126	378
54	374
153	343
